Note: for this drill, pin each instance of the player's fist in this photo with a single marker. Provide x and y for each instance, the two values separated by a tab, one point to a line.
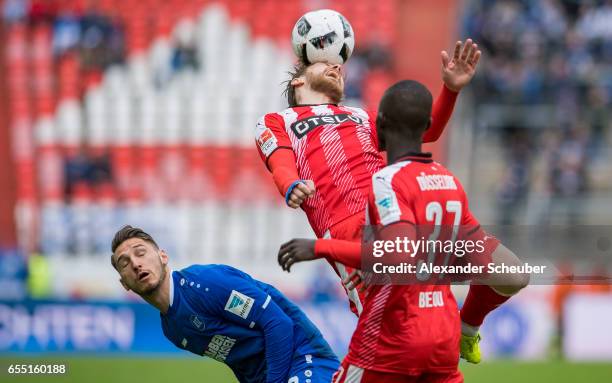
458	71
296	250
356	280
301	191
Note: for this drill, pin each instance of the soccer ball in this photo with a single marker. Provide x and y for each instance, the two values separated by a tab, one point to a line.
323	36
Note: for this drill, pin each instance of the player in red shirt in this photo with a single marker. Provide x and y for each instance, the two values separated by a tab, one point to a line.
317	143
406	332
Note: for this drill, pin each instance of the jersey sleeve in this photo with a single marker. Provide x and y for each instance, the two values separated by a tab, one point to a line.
235	297
270	135
389	201
336	250
440	114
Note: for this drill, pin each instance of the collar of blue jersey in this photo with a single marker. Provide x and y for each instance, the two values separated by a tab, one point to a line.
171	301
415	156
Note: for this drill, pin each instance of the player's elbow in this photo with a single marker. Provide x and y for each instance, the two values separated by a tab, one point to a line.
278	324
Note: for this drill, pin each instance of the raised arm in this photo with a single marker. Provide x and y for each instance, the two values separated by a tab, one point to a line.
440	114
457	72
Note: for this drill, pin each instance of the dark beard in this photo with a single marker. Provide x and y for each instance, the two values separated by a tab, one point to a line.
328	87
151	290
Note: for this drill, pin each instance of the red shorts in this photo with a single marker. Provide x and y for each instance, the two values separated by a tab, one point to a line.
352	374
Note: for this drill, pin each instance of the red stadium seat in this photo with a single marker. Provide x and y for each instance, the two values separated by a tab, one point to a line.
219	154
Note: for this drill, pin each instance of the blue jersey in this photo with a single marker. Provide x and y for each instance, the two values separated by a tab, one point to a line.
221	312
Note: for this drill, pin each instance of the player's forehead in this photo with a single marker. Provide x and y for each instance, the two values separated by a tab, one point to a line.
131	244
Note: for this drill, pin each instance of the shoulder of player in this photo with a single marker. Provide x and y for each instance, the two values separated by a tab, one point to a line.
360	112
209	286
206	275
269	119
441	169
386	176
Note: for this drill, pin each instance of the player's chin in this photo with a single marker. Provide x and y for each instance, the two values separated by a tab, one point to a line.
146	286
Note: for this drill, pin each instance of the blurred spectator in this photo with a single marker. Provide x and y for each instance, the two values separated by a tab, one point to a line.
556	54
185	54
354	70
102	42
82	168
514	185
66	32
368	58
15	10
596	22
568	170
598	118
531	45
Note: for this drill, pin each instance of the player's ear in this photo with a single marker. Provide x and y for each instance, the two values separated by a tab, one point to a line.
297	82
163	256
124	285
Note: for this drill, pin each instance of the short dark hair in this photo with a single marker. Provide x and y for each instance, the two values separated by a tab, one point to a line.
125	233
406	107
299	69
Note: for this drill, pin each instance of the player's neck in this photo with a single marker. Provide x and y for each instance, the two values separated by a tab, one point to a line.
160	298
310	97
397	150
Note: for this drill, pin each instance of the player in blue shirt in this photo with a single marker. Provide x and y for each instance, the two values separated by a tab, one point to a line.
223	313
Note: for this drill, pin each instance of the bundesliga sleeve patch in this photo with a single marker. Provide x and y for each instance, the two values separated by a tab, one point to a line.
386	201
239	304
266	140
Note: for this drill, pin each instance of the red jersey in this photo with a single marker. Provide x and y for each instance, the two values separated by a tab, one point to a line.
411	329
336	147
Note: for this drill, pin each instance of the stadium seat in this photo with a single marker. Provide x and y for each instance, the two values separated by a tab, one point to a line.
189	126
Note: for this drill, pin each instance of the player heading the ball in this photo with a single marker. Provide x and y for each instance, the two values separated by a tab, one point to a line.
322	154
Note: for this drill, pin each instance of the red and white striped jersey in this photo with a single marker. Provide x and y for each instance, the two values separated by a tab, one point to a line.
411	329
336	147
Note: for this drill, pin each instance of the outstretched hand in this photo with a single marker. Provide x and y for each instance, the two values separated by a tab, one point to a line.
294	251
458	71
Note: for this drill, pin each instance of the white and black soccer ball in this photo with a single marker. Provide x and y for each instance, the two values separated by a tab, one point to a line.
323	36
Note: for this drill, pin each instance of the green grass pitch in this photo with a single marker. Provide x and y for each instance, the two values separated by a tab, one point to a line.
193	370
